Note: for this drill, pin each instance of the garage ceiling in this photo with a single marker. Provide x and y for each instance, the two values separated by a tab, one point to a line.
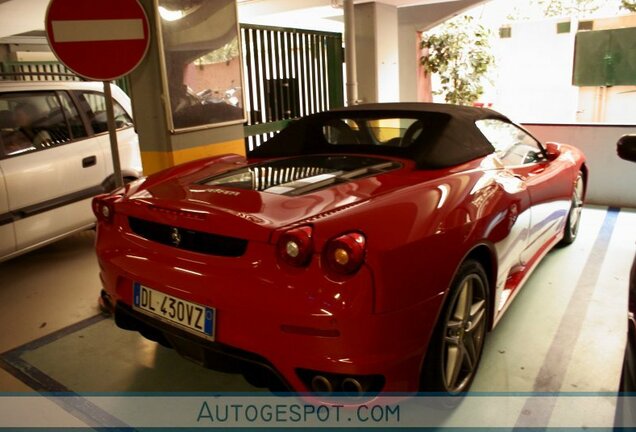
328	14
296	4
22	16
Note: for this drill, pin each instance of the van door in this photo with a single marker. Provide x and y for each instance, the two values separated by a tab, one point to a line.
52	167
7	234
93	105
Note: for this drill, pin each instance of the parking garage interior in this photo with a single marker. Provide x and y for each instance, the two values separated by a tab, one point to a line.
565	332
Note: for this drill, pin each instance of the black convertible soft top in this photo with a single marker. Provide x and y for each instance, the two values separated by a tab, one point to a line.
450	135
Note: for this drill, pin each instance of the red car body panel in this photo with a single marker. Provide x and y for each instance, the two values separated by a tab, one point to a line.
419	226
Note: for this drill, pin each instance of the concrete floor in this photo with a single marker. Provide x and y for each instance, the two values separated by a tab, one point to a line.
565	332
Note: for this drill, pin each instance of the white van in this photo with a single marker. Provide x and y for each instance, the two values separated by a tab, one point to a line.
55	156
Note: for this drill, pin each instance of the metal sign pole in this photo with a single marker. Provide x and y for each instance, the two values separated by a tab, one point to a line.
112	133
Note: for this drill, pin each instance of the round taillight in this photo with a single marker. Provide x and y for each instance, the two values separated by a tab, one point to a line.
345	254
341	256
295	247
103	207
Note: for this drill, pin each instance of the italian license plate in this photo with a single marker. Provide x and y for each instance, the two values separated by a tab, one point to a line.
195	318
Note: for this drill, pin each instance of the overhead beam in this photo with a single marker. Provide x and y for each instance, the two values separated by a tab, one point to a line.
427	16
21	16
251	8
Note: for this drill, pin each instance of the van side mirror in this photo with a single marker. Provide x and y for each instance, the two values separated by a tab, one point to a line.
552	150
626	147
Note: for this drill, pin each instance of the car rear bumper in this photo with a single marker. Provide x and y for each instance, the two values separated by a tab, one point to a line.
296	324
208	354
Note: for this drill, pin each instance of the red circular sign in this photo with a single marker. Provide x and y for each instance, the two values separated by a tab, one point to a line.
99	40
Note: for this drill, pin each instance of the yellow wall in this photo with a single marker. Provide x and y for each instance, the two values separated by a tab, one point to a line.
155	161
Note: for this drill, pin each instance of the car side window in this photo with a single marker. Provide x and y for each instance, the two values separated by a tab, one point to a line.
512	145
31	121
78	130
94	105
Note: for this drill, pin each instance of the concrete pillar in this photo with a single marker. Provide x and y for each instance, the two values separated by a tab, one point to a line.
415	84
377	52
407	36
161	149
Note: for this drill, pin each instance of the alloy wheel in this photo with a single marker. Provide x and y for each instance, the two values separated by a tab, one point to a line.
577	206
464	334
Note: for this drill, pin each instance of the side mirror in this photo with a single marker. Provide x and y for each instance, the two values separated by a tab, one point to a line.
552	151
626	147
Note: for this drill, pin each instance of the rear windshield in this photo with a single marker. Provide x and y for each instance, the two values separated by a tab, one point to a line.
300	175
390	132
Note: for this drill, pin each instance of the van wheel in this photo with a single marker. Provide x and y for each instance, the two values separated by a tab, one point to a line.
109	184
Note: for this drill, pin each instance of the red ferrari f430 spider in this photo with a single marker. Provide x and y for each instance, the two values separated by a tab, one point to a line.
361	250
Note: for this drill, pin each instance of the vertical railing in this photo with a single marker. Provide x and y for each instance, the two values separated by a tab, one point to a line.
46	71
38	71
289	73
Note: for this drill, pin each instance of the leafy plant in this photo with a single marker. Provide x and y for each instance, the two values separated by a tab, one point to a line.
521	10
576	8
459	52
630	5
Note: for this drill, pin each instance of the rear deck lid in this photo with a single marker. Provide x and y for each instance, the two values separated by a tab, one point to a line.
252	200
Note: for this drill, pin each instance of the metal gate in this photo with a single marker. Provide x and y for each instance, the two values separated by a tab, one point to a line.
289	73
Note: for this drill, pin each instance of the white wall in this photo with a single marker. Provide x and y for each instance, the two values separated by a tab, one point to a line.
612	180
533	80
607	104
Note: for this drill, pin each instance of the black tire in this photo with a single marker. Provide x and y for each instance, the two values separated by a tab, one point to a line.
458	340
571	229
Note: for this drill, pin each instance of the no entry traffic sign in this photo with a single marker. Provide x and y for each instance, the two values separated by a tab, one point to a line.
99	40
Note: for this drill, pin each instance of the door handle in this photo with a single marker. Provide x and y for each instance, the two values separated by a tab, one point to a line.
89	161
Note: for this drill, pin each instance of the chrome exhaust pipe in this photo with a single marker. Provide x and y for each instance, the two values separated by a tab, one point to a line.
321	384
352	386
